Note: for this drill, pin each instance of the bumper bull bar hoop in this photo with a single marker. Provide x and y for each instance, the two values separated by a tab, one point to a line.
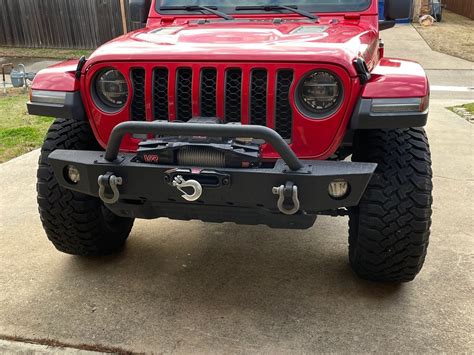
209	130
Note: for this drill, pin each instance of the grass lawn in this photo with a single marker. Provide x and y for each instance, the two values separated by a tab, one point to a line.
19	132
465	111
469	107
44	53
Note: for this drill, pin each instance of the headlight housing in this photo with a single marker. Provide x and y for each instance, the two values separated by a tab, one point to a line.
110	90
319	94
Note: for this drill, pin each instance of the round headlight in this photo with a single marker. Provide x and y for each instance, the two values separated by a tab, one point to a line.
111	89
320	92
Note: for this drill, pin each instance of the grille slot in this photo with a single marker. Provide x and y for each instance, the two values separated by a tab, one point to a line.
208	92
138	102
184	104
233	95
283	111
160	94
258	97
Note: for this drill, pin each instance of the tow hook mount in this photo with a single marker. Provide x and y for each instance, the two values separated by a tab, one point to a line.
288	202
196	179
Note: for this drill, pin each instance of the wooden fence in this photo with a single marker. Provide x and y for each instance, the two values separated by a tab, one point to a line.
461	7
79	24
86	24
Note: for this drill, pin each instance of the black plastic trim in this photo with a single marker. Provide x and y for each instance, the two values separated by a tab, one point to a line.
80	65
362	71
72	108
184	102
363	118
137	104
386	24
282	102
232	107
205	96
160	93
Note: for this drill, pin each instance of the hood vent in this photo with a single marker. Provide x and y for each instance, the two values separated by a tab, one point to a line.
309	30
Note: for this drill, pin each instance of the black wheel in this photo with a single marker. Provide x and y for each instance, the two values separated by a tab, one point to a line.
389	230
75	223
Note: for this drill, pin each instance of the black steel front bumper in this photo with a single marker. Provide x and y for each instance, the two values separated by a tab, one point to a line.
243	196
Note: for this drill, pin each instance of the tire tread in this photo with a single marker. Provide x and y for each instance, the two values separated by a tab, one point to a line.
74	222
389	230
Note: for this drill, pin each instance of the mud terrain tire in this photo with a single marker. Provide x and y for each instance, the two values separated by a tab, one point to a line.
75	223
389	230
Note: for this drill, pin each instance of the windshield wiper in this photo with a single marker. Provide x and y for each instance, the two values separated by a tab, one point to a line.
292	8
211	9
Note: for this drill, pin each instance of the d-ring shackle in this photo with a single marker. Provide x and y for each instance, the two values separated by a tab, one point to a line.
287	196
109	180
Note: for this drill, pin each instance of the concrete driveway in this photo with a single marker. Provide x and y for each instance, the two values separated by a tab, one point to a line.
190	287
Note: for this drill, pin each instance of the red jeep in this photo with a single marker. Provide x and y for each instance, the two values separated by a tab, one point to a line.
244	112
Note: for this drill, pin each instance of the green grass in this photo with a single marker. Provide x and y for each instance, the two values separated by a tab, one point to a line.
469	107
19	132
44	53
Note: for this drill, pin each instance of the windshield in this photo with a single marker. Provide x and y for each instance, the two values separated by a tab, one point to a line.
229	6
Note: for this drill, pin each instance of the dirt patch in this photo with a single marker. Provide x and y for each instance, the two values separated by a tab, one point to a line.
454	36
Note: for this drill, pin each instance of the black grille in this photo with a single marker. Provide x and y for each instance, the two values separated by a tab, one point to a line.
258	94
258	97
138	101
283	112
184	108
160	94
208	92
233	95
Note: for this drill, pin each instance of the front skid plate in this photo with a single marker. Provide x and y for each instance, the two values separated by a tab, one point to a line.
246	198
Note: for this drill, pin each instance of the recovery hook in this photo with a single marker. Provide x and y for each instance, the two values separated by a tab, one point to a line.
180	183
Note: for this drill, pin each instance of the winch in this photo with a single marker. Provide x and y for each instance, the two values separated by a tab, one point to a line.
216	152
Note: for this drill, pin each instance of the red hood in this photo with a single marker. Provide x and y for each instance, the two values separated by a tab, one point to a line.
338	43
